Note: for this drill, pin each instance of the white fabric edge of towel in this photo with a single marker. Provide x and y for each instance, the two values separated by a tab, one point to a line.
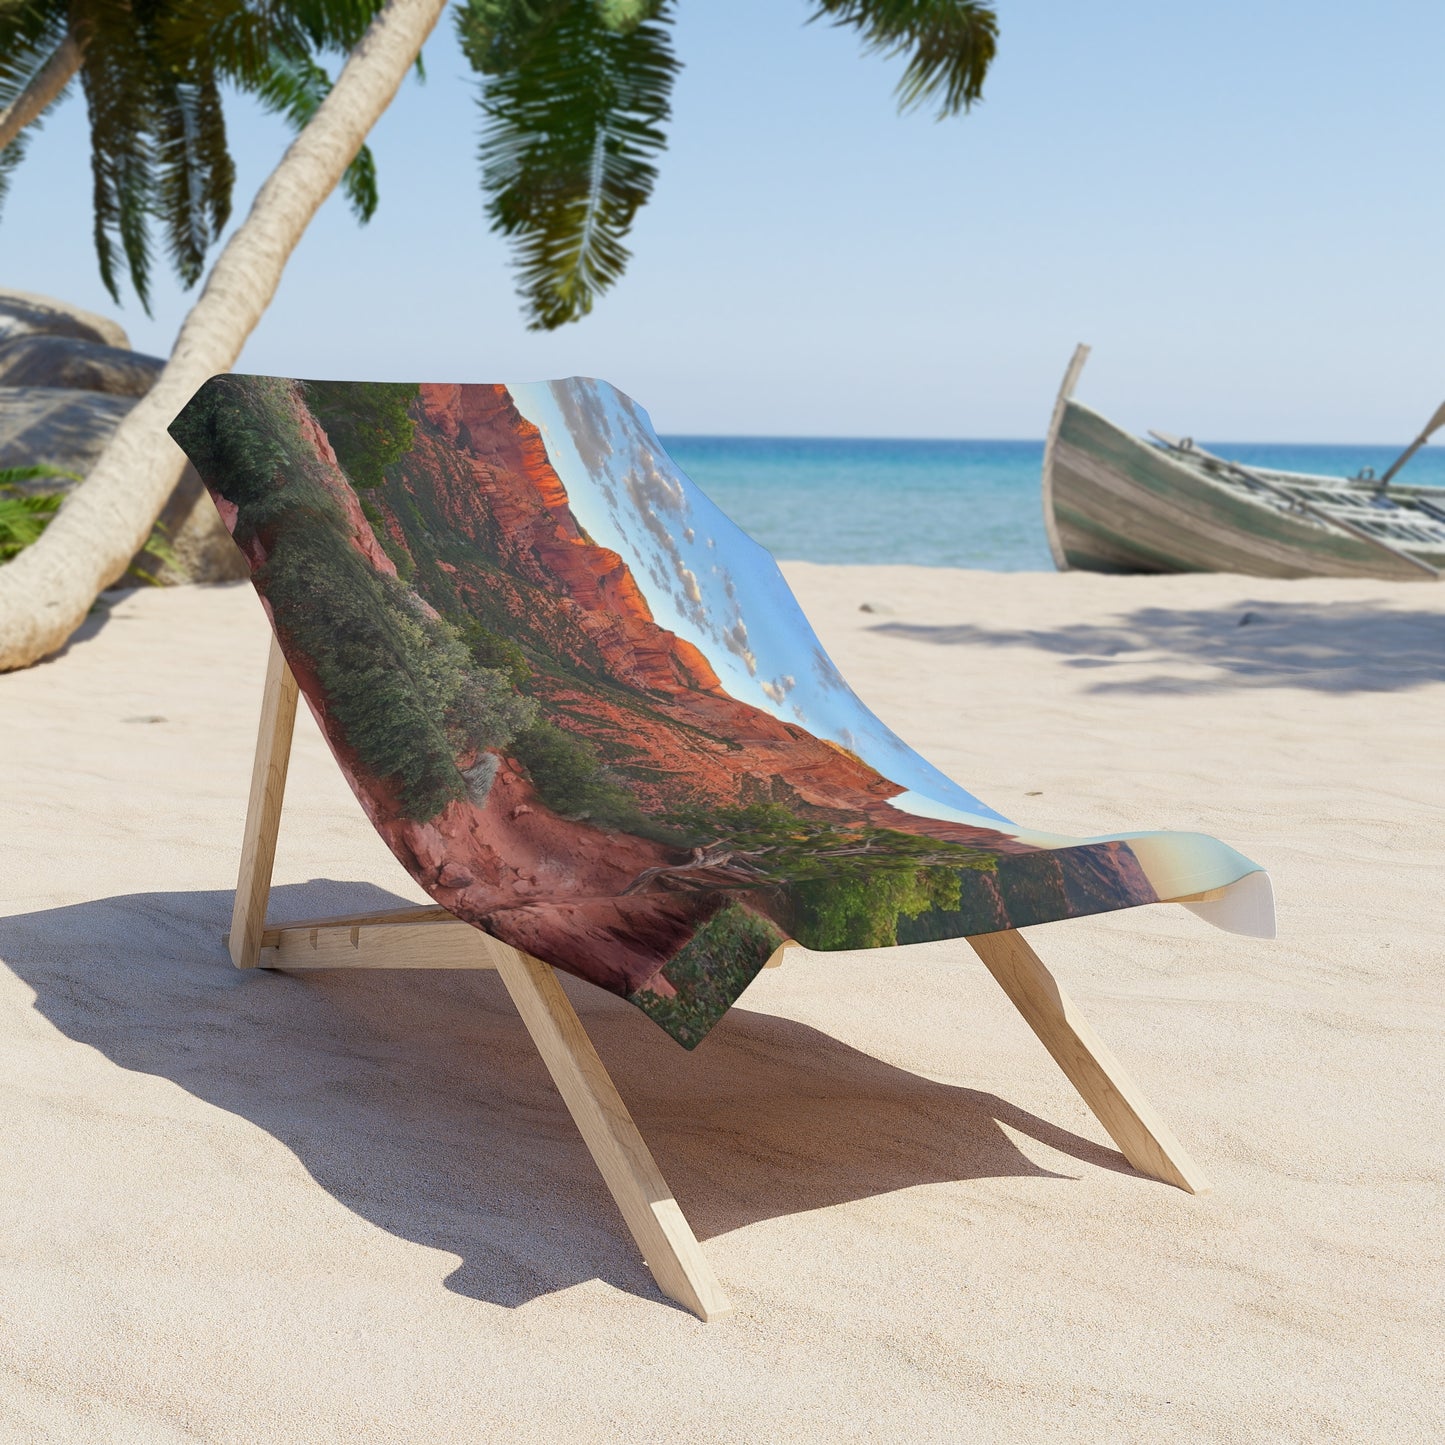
1245	907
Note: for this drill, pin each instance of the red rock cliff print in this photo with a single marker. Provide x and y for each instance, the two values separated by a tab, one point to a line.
582	707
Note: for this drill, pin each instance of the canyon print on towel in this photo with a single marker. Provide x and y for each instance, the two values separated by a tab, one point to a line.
585	711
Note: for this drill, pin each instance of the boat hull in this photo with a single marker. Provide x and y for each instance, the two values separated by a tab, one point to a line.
1116	504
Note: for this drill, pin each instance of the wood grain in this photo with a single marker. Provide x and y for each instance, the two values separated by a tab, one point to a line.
667	1242
263	811
438	944
427	936
1143	1137
1120	505
1066	390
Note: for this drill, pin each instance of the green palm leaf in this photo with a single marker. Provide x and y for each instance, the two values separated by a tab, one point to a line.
116	74
294	85
152	72
25	515
574	93
269	50
29	35
194	170
949	43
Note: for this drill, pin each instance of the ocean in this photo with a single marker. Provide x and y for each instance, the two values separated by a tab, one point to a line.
934	503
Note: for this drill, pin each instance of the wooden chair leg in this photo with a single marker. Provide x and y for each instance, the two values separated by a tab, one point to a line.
662	1233
1142	1136
263	811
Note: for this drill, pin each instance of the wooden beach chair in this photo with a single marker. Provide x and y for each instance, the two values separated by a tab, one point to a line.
975	895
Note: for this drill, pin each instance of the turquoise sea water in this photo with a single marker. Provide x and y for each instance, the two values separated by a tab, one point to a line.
934	503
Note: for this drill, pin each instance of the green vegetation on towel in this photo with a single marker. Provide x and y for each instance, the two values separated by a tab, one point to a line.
368	426
405	689
720	960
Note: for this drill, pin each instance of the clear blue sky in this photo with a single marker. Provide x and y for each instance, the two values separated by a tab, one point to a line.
1239	205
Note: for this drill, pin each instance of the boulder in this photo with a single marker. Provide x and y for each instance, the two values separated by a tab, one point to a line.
23	313
69	429
67	377
66	361
58	426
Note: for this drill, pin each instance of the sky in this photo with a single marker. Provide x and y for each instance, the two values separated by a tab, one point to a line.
1238	205
710	583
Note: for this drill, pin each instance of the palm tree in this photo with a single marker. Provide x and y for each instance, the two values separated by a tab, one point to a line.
574	92
152	74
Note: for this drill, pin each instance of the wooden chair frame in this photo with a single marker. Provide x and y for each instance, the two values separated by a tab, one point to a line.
430	937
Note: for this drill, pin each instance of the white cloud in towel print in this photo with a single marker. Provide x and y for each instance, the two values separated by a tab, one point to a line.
708	581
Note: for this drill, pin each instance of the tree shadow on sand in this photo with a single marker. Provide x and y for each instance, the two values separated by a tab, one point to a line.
417	1100
1321	647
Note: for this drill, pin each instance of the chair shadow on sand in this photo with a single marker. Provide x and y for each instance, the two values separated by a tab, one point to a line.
1336	647
417	1101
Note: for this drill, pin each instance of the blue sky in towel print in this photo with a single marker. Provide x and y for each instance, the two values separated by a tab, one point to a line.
696	567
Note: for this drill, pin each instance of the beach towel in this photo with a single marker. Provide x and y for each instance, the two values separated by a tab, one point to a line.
587	714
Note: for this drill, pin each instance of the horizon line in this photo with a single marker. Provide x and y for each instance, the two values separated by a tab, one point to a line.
996	441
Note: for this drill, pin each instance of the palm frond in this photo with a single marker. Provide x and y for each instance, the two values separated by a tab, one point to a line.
268	49
293	85
574	95
23	517
117	78
157	553
11	477
336	25
624	14
29	35
194	170
950	45
235	38
10	158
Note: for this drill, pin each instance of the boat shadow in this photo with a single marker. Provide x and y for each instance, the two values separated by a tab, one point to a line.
1336	647
416	1100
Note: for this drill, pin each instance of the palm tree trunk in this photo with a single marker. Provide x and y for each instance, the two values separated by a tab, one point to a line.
45	85
47	590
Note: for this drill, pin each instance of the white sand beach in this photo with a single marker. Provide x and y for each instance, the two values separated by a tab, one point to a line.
348	1207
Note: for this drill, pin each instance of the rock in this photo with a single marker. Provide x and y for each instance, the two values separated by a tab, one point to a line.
69	429
23	313
66	361
363	536
480	777
453	875
67	377
482	468
507	464
57	426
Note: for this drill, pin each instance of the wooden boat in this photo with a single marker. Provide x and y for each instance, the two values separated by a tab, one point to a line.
1116	503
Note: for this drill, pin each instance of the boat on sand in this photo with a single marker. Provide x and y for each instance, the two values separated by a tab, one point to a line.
1114	502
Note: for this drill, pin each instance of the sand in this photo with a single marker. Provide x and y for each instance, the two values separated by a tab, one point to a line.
259	1208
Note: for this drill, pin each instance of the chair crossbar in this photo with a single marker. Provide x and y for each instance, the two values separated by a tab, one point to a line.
428	936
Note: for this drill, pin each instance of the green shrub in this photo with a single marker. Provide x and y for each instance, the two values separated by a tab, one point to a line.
570	778
863	910
491	649
404	690
850	883
367	423
25	515
716	964
486	711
